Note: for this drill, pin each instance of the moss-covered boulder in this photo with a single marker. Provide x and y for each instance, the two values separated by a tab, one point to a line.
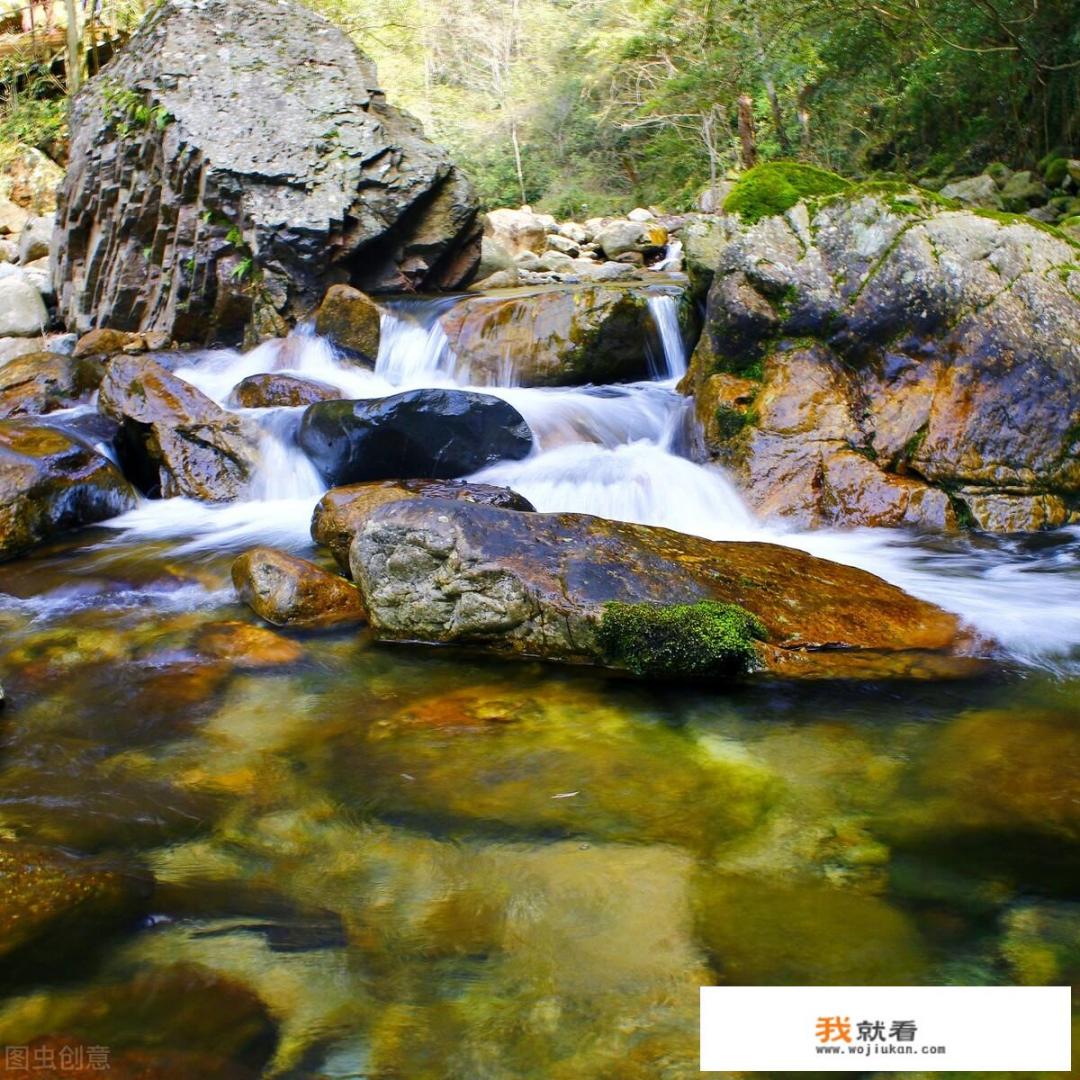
173	439
914	364
776	186
287	591
537	585
562	336
342	511
50	483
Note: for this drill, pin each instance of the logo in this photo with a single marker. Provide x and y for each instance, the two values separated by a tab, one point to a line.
835	1036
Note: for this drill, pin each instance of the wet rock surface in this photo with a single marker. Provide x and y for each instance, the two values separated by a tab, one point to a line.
235	194
342	511
914	366
535	585
564	337
275	391
288	591
351	321
432	434
174	440
50	483
40	382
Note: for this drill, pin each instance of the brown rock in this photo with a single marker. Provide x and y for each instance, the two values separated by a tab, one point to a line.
45	892
349	319
174	439
40	382
288	591
342	511
246	646
535	585
50	483
271	390
107	342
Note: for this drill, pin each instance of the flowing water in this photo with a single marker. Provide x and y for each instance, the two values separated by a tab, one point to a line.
425	865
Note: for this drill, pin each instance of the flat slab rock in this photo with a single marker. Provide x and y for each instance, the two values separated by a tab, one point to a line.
447	572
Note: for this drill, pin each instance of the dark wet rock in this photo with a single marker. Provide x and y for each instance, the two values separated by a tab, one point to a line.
51	483
238	193
170	1023
537	585
272	390
48	895
912	365
40	382
174	440
434	434
761	933
342	511
555	337
350	320
288	591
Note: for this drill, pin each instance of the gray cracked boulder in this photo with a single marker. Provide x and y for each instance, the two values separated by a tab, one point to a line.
880	360
235	160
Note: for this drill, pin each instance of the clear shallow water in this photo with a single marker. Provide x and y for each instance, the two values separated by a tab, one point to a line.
427	865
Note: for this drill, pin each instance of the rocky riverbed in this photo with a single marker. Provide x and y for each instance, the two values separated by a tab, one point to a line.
409	684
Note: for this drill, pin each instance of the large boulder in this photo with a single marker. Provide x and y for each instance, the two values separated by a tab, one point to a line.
515	231
448	572
22	310
239	189
173	439
351	321
50	482
433	434
40	382
554	337
622	237
28	178
909	364
342	511
287	591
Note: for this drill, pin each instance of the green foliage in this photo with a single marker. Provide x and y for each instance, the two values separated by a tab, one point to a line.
1056	171
729	421
702	639
37	122
777	186
130	110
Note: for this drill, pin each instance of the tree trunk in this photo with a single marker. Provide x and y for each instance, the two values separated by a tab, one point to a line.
802	111
74	57
777	115
517	161
747	138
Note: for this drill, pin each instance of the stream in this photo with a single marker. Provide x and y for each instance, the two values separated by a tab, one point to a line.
430	866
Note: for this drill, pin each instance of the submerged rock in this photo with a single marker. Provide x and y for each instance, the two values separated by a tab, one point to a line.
49	894
803	933
245	646
240	192
271	390
559	337
433	434
288	591
174	440
40	382
51	483
537	585
913	365
341	512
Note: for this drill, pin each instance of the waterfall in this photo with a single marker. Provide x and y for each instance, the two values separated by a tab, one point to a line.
664	309
615	451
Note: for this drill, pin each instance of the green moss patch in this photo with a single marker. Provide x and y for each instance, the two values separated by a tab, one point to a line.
707	638
777	186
